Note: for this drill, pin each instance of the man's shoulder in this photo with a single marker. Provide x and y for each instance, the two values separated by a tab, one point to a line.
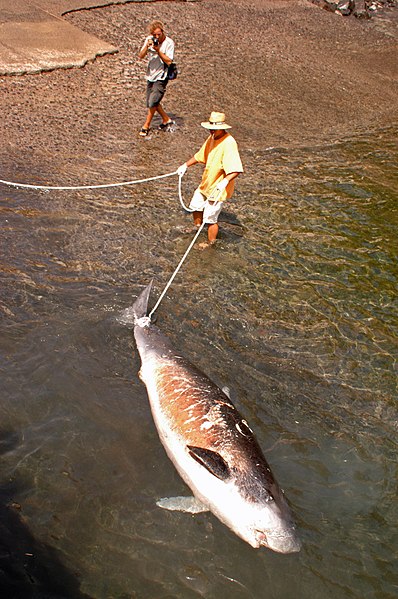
229	140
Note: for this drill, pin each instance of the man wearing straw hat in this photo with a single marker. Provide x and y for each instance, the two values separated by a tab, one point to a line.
220	155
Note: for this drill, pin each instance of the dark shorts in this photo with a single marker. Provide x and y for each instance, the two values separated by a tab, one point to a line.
154	92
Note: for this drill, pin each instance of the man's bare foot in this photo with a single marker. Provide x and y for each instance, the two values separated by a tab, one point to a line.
205	244
191	229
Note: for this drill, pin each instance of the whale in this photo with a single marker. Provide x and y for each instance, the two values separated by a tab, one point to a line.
210	444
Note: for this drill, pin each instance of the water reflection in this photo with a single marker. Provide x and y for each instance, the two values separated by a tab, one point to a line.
294	311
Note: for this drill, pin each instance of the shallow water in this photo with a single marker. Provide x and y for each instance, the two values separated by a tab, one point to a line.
294	310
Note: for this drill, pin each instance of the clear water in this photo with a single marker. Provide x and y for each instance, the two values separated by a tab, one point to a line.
295	310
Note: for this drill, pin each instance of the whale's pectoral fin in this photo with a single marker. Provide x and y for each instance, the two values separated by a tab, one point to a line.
227	391
182	504
211	460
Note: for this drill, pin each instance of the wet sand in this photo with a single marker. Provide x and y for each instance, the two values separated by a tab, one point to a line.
285	72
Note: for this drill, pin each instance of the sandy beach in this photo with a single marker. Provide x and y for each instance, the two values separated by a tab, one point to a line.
285	72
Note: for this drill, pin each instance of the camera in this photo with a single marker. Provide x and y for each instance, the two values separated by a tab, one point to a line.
155	41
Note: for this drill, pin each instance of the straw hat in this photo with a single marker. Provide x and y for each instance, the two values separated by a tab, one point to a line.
216	121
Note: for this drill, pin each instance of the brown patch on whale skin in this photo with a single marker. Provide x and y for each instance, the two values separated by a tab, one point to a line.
191	405
202	415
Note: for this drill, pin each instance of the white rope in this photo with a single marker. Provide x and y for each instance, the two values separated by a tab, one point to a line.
107	185
13	184
180	194
102	186
176	270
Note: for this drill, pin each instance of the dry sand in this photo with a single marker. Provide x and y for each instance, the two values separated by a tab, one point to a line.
284	71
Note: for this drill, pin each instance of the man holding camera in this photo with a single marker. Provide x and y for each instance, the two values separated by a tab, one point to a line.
160	49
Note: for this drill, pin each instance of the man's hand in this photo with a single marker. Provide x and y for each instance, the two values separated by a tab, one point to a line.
217	190
182	170
148	43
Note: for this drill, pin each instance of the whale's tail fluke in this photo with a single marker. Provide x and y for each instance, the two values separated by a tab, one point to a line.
140	306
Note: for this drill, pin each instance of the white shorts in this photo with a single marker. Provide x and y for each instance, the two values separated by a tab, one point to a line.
210	211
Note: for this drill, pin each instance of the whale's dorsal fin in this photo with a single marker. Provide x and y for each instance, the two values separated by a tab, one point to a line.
211	460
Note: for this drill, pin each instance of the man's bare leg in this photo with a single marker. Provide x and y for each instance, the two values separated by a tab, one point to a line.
197	218
149	117
212	233
164	116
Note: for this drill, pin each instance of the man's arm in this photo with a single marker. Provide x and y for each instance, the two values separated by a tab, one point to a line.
231	176
144	50
166	59
191	161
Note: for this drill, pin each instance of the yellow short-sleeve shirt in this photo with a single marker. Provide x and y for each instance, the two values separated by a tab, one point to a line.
220	157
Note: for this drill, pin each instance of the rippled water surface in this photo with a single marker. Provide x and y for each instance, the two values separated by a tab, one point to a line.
295	310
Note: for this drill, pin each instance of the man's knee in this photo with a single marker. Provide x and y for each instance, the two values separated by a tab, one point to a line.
155	94
152	103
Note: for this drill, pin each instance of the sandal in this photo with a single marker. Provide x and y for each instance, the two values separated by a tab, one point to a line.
164	126
144	132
